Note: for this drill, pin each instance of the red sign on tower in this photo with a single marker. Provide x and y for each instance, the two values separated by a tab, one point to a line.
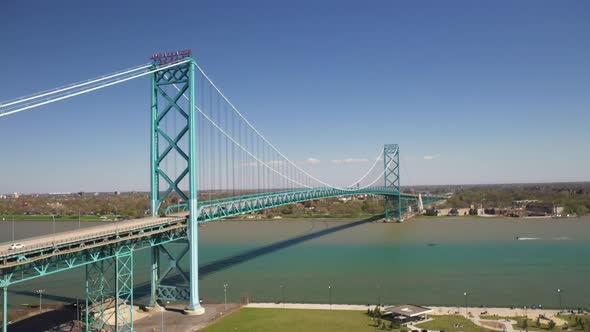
169	57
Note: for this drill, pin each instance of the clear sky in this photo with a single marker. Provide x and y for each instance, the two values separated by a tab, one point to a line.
473	91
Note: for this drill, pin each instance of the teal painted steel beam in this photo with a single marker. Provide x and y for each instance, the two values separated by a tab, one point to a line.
5	310
169	108
124	289
155	275
154	180
194	305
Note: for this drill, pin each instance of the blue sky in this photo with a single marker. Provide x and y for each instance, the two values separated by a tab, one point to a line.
474	92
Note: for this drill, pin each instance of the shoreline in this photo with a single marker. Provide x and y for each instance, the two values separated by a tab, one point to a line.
437	310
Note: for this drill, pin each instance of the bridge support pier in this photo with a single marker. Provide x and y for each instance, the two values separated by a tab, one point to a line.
109	292
124	289
194	304
155	277
169	86
5	309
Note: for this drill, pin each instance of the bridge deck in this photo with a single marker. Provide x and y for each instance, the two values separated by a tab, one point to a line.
81	235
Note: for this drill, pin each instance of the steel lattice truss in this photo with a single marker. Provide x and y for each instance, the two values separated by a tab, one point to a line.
391	176
233	206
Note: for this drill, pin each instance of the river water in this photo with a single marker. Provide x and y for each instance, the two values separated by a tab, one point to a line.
430	261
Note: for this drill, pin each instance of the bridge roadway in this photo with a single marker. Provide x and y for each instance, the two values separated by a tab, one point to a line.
85	238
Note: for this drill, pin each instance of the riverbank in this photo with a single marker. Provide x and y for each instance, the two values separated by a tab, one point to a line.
436	310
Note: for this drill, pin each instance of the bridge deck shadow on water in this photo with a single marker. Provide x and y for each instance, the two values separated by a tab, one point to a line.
228	262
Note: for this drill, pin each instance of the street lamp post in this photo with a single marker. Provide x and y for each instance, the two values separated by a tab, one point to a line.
283	295
378	295
559	295
116	220
330	295
526	320
466	310
40	292
225	296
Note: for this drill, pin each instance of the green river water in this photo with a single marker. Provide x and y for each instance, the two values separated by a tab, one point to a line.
430	261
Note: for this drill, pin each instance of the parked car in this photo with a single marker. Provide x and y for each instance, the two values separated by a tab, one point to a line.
15	246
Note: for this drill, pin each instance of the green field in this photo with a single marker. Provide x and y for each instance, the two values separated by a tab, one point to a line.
448	323
291	320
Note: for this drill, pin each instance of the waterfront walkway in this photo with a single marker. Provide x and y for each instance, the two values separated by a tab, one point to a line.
471	313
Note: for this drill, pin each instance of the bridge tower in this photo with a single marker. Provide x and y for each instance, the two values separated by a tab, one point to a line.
177	144
393	205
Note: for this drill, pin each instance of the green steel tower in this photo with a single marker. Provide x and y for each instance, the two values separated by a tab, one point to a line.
169	86
393	205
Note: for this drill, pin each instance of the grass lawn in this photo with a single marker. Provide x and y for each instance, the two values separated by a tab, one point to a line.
447	323
532	325
570	319
291	320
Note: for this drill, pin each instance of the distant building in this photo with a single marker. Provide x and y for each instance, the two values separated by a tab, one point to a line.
15	195
539	209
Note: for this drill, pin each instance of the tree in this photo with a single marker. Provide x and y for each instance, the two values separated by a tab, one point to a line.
551	325
538	322
523	323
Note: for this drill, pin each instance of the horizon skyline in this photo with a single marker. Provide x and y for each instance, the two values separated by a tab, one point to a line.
222	190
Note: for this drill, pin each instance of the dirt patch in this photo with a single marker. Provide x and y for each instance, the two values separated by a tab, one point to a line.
173	319
492	324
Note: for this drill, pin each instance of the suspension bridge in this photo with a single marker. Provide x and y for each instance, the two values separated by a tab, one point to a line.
208	162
